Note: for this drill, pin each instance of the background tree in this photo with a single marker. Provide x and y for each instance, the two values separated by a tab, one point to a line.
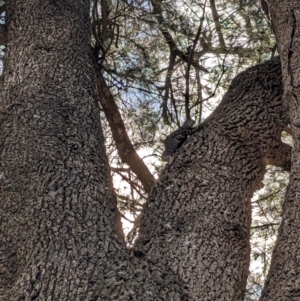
284	275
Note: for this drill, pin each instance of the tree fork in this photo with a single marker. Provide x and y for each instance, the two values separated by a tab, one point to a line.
58	235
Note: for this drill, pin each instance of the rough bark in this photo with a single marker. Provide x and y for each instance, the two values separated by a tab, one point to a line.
198	216
59	238
55	197
284	276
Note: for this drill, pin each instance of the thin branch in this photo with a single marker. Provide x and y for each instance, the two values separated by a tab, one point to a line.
190	60
157	12
124	146
133	184
116	169
168	86
265	225
126	218
214	92
3	34
199	96
217	23
129	200
267	196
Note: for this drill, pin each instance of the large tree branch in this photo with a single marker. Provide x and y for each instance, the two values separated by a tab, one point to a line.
284	275
197	219
124	146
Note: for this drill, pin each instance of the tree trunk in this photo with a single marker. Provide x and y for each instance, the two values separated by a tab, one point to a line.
57	211
60	235
284	276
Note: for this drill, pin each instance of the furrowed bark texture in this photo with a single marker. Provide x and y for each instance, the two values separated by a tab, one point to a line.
58	233
198	216
55	198
283	281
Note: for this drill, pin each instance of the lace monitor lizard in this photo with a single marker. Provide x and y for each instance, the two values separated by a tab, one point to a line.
177	138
